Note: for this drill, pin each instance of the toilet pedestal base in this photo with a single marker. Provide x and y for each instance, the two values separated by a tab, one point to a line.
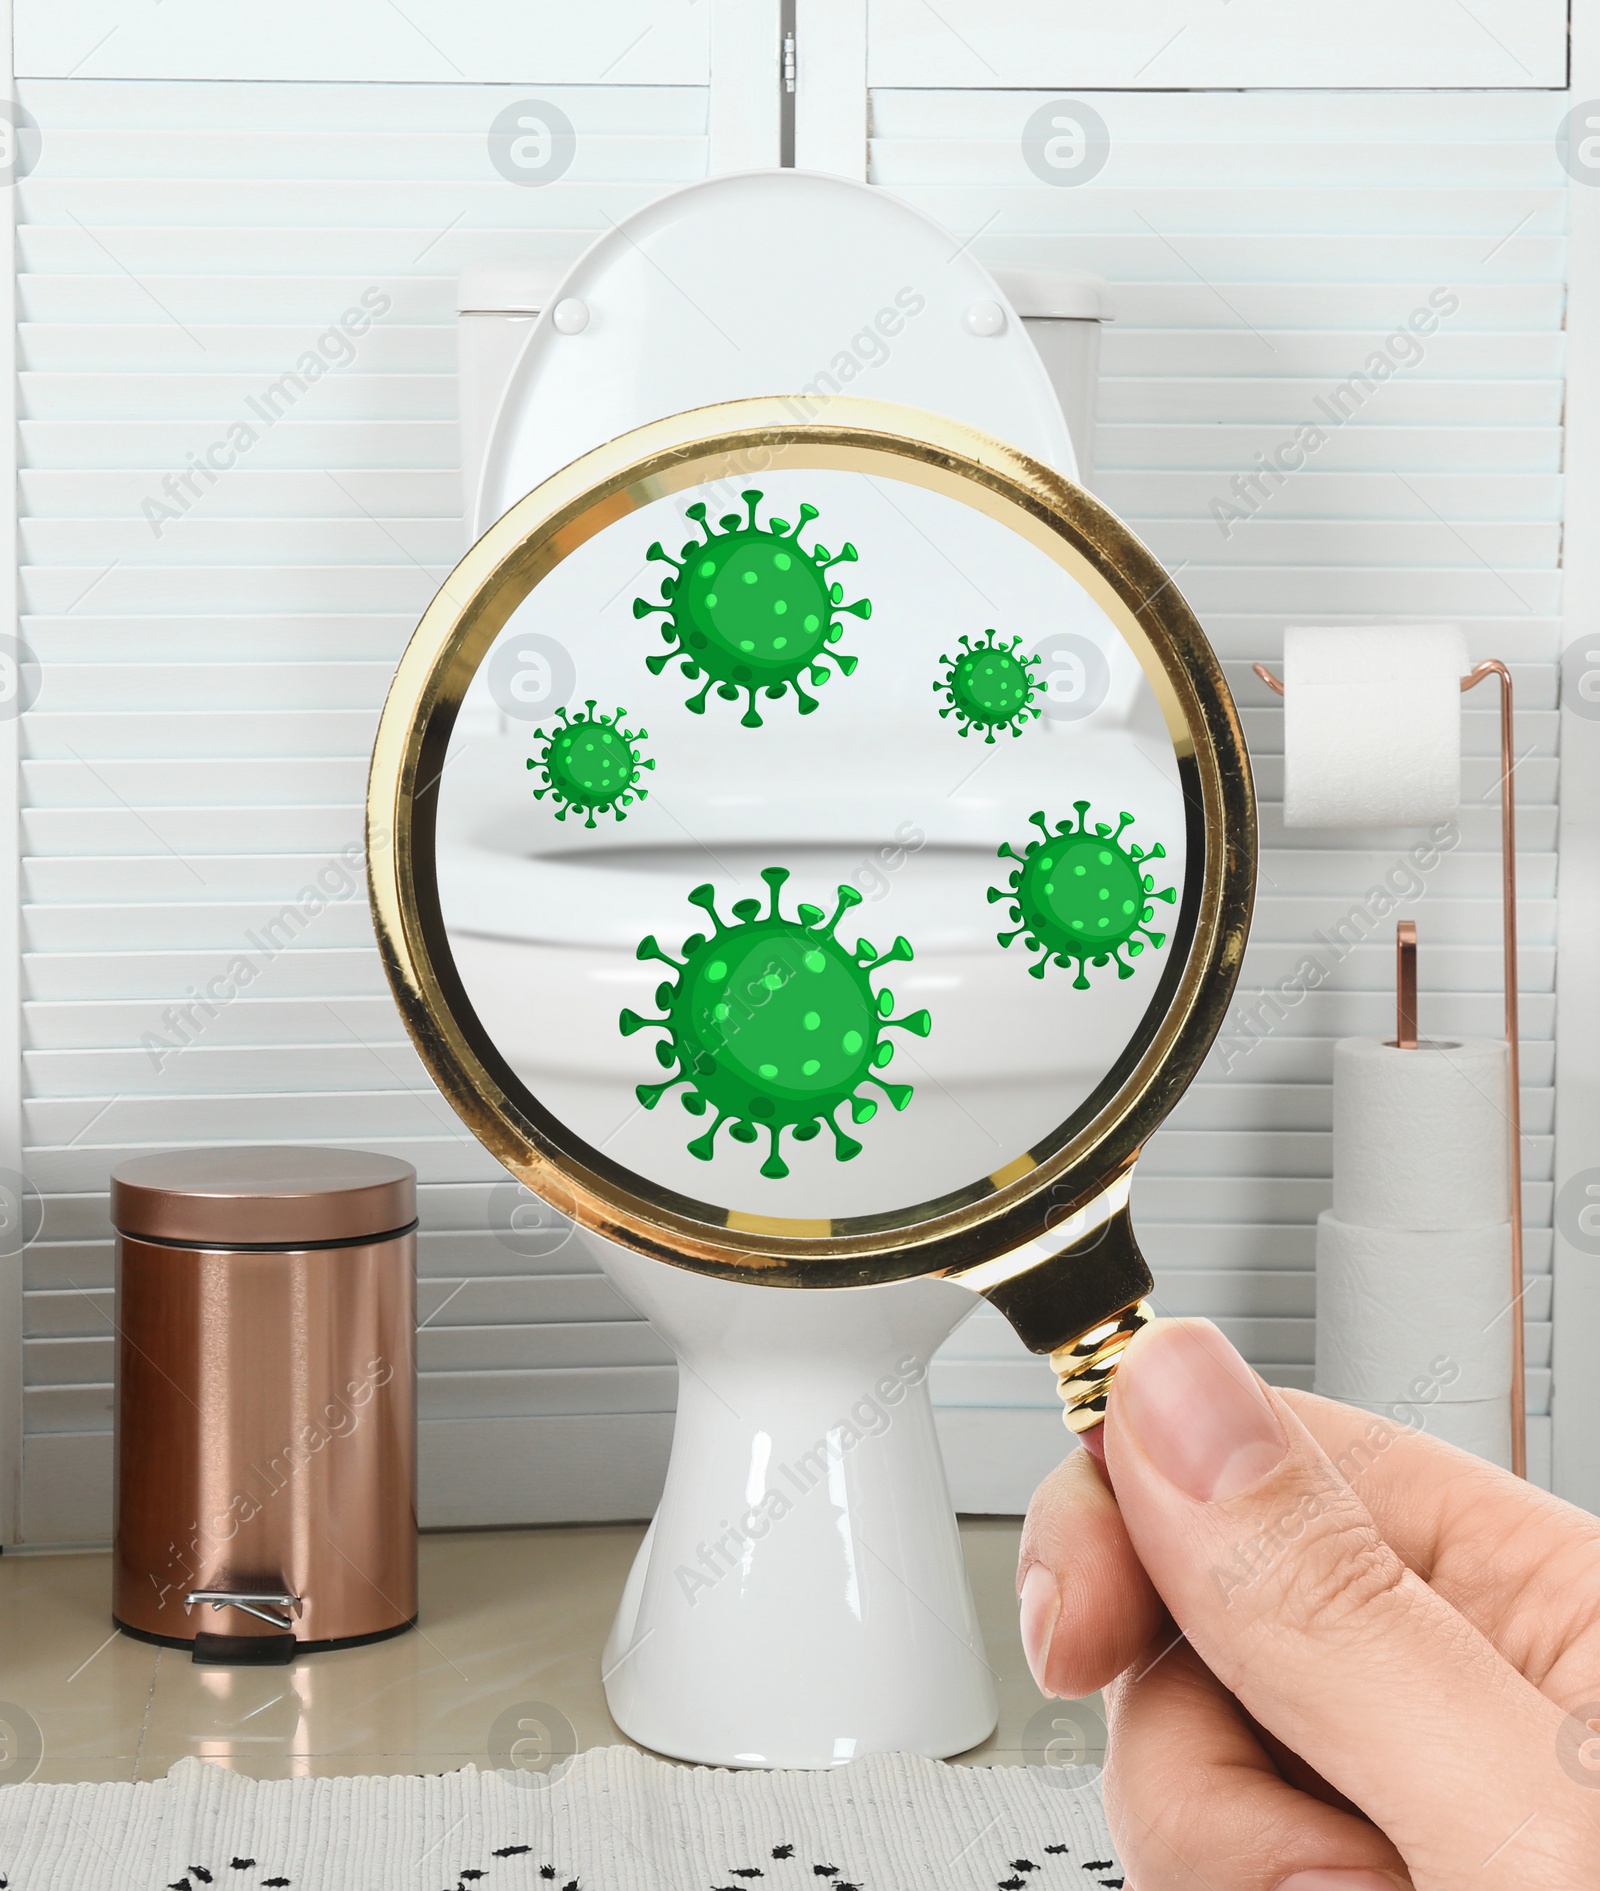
801	1596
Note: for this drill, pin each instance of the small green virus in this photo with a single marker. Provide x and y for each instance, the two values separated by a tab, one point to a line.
1078	894
590	765
990	687
773	1024
752	611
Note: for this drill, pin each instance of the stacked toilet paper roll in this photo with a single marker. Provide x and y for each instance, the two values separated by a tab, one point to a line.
1372	725
1414	1257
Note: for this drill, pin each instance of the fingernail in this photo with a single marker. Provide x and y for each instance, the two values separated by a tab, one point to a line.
1038	1605
1196	1410
1338	1878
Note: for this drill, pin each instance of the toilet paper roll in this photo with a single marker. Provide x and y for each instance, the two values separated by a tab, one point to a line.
1420	1138
1372	725
1419	1317
1481	1426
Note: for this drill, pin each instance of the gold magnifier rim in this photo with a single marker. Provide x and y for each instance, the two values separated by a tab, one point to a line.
1029	1204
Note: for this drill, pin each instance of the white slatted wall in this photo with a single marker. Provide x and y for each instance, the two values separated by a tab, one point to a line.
1260	246
198	754
199	750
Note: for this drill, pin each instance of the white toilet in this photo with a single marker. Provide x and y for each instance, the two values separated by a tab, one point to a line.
801	1597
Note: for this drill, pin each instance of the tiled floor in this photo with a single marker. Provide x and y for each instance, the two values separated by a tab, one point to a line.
507	1617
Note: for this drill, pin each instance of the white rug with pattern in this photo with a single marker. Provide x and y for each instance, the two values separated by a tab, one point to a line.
612	1820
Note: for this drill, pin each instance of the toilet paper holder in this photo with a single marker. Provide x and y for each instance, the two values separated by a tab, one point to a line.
1406	1020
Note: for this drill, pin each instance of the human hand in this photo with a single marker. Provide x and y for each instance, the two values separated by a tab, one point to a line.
1339	1655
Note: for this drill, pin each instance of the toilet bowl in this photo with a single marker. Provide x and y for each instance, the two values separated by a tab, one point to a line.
801	1597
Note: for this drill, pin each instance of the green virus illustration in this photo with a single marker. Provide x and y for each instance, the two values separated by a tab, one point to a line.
773	1024
1079	894
990	686
752	611
589	765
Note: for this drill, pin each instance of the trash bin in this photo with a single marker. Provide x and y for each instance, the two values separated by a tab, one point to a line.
265	1400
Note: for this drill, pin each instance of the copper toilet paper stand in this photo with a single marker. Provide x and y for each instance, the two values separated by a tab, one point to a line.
1406	1024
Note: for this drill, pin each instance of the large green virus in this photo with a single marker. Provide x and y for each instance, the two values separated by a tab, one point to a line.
773	1024
589	765
752	611
990	687
1079	895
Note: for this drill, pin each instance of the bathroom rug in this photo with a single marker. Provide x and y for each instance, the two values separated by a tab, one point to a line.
614	1819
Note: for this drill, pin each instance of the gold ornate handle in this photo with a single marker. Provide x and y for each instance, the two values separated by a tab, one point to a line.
1084	1370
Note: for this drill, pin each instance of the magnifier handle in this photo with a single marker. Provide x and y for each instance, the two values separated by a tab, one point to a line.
1082	1306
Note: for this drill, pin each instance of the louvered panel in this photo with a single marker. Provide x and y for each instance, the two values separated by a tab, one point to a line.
301	970
1260	248
170	689
371	130
353	540
1322	355
85	643
1374	497
75	881
574	1392
536	1300
52	493
110	1026
630	42
1188	127
189	832
472	199
1492	301
257	401
1330	43
1233	447
336	1062
186	588
1504	546
215	655
245	299
55	352
971	149
197	734
344	445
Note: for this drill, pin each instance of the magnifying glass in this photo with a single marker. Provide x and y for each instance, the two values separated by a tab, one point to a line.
820	853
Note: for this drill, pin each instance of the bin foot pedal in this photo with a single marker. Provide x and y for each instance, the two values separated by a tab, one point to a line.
244	1651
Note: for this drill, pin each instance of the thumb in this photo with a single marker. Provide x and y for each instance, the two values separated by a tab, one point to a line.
1270	1564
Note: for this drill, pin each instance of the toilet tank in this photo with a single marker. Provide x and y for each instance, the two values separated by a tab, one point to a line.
497	307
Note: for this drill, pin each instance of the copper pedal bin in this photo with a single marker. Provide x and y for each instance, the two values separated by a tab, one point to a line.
265	1400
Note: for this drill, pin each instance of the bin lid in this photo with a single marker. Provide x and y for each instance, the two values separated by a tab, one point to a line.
272	1196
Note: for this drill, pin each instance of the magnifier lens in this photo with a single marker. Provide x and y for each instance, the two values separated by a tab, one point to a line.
812	850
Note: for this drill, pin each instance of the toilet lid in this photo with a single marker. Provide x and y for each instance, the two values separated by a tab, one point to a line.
771	282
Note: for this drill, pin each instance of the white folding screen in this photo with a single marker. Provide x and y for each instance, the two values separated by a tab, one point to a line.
215	649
